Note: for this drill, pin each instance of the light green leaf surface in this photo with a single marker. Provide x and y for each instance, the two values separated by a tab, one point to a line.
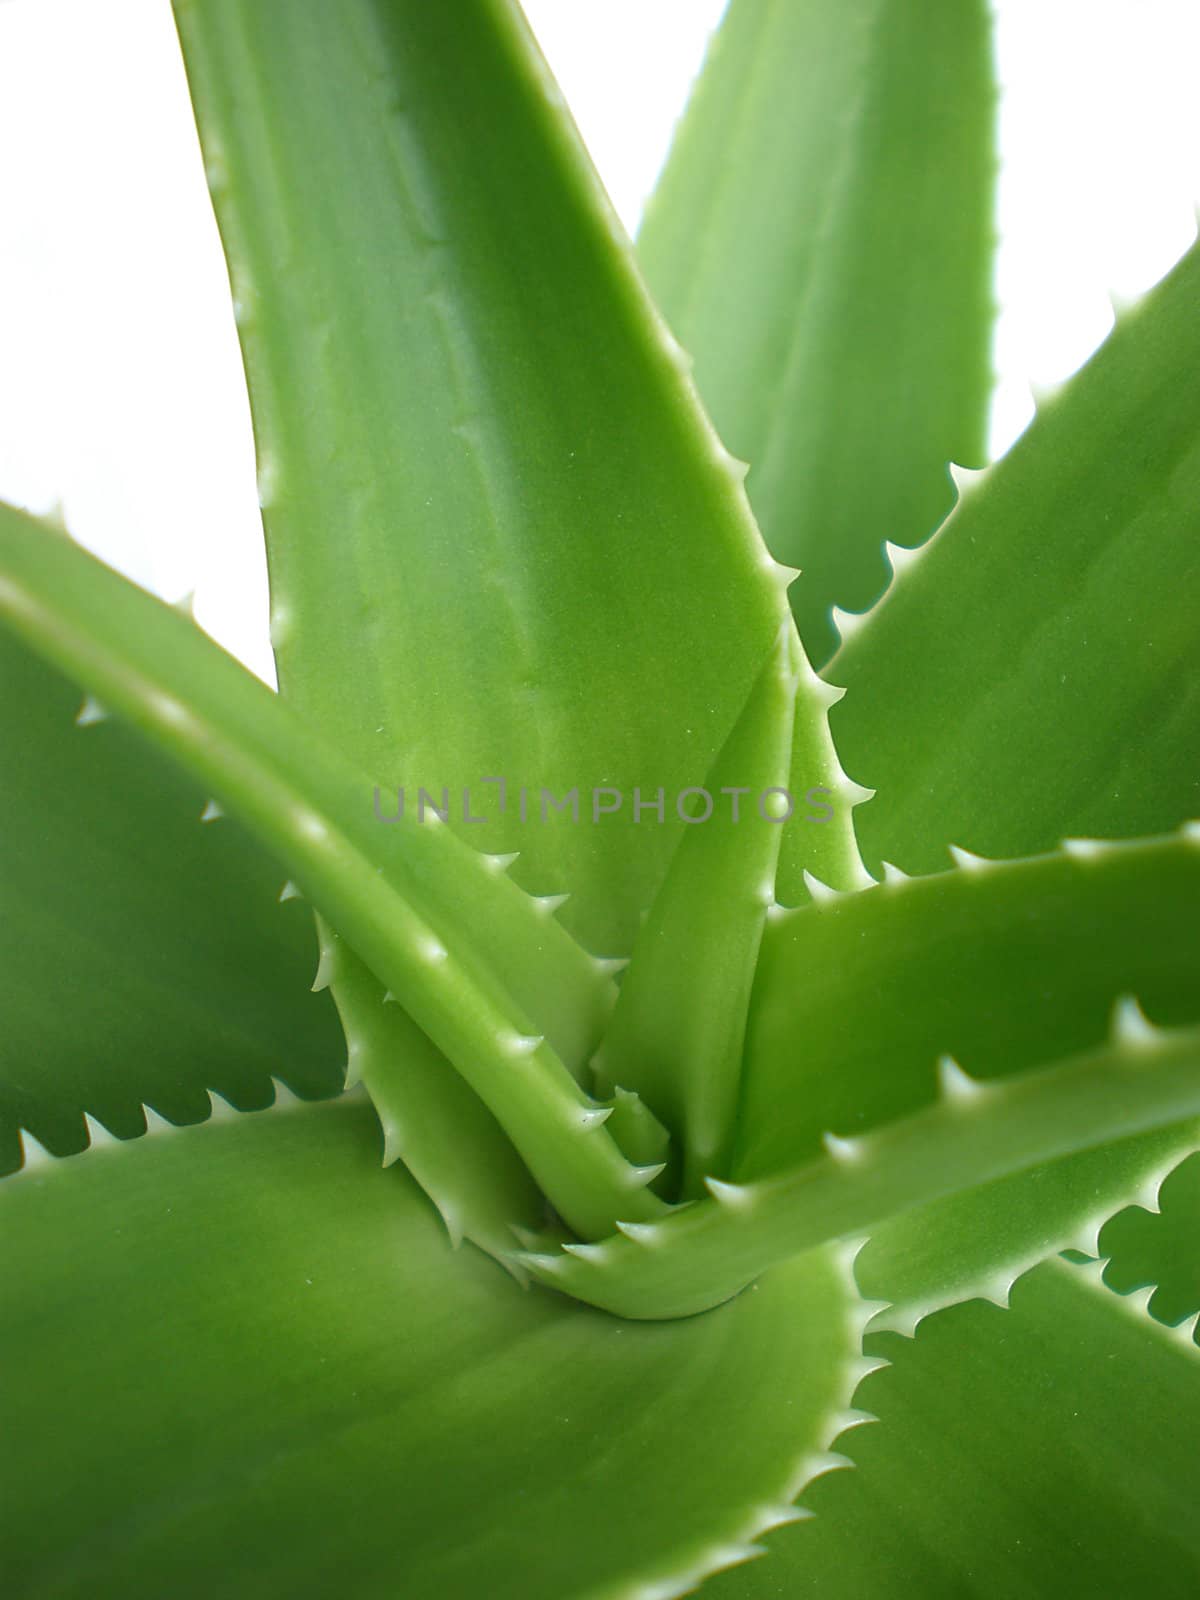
978	1243
145	956
677	1032
1035	672
403	895
481	458
1045	1450
820	241
244	1361
976	1133
432	1120
999	966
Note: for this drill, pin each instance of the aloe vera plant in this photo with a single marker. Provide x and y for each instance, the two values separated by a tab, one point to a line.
668	1102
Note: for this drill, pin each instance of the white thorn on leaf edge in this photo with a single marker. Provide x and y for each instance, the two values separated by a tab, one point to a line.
548	904
221	1109
820	892
966	860
856	793
847	623
609	966
826	694
734	1196
1130	1026
893	874
98	1134
33	1152
594	1254
521	1044
638	1232
289	892
965	479
639	1177
156	1123
212	812
900	556
500	863
840	1149
1083	849
594	1117
954	1085
91	711
324	971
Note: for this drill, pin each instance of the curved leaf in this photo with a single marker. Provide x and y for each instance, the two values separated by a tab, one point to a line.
244	1361
978	1243
999	965
821	241
454	363
1048	1449
699	1255
404	896
1035	672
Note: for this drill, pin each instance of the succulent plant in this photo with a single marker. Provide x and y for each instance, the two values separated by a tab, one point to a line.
701	1102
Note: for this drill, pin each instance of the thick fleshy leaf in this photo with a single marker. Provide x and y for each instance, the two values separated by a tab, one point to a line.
504	541
1045	1450
432	1119
1035	672
1141	1080
244	1361
461	947
143	956
1000	966
820	241
1157	1241
978	1243
677	1032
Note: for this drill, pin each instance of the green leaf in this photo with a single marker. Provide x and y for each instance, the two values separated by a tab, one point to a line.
821	241
703	1253
1000	966
1049	1449
1035	673
978	1243
677	1032
145	956
431	1118
1157	1241
245	1362
446	933
481	458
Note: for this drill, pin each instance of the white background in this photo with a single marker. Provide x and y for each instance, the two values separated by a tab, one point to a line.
120	385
